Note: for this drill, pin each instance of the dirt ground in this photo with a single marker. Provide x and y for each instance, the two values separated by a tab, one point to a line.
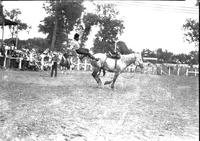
142	107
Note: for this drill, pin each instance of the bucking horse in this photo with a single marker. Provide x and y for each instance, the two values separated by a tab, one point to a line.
106	63
116	66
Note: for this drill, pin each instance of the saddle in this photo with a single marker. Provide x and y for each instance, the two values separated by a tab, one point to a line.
115	55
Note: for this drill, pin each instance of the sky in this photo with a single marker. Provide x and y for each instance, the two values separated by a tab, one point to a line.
148	24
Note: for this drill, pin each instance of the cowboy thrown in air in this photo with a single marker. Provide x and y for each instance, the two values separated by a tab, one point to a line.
83	52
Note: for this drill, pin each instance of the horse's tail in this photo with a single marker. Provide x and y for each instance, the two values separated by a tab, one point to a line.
104	72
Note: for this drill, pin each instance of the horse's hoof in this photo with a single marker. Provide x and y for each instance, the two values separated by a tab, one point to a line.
107	82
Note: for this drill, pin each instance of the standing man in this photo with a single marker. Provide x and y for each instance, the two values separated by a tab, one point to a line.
82	51
42	60
54	61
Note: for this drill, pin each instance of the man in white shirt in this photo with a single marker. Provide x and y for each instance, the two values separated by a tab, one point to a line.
82	51
42	60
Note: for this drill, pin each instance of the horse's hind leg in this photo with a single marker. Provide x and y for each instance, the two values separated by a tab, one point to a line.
104	72
96	77
114	79
102	69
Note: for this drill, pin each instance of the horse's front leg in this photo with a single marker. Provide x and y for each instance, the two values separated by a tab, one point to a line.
114	79
96	77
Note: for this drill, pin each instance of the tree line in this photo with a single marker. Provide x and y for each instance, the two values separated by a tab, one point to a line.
164	56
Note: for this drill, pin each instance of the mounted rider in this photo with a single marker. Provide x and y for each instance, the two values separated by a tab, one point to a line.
115	54
83	52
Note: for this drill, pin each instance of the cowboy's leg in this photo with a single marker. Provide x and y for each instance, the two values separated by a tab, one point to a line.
55	69
91	56
81	51
86	52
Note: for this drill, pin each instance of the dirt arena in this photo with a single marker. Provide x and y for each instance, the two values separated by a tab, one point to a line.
142	107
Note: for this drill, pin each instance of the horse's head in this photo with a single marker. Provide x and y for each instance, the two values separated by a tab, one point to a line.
139	60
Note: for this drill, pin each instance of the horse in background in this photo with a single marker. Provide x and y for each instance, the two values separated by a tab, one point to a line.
64	62
116	66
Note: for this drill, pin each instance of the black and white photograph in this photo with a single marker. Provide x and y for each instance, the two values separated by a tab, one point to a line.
99	70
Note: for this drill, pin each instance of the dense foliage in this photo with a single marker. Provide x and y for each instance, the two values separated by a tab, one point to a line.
192	31
63	16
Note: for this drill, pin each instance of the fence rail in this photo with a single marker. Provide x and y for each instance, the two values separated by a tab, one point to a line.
195	72
177	70
150	68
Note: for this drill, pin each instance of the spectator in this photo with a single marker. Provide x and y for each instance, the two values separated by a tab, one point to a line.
54	61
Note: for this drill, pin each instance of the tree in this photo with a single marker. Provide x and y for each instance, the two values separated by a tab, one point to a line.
39	44
183	58
148	53
63	16
89	20
194	57
122	47
110	27
13	15
164	56
192	31
107	36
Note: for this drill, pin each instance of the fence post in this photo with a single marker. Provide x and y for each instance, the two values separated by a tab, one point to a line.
20	63
85	66
4	64
71	59
195	72
78	64
178	71
169	71
187	72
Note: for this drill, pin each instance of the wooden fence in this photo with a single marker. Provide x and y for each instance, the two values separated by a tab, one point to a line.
149	68
177	70
86	66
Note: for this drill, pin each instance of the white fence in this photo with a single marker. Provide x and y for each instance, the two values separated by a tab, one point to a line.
195	72
76	64
86	66
148	69
178	70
